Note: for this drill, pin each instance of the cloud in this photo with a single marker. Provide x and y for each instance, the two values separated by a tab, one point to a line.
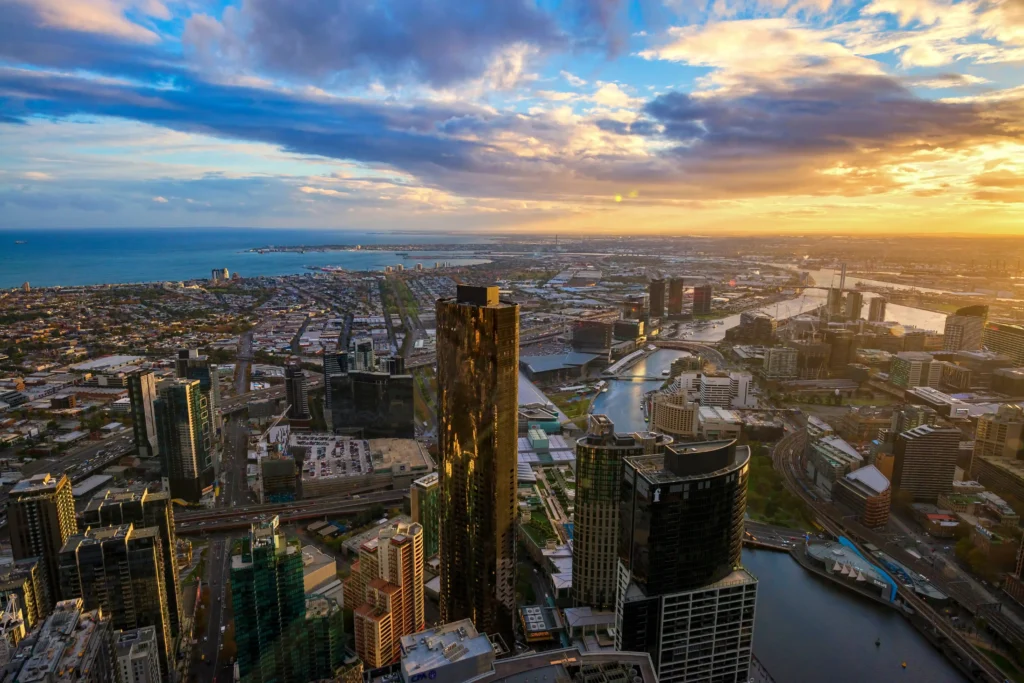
611	95
104	17
160	200
36	175
573	80
439	42
947	80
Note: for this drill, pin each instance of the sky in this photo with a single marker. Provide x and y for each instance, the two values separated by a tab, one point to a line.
569	116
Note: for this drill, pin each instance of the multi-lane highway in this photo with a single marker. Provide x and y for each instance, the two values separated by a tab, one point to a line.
235	403
211	665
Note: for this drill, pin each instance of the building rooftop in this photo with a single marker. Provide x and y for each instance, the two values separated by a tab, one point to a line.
572	664
573	359
429	650
690	461
106	363
871	477
428	481
65	641
37	484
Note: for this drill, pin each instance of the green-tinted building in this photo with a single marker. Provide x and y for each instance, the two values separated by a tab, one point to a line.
269	602
317	643
423	495
599	457
182	419
143	508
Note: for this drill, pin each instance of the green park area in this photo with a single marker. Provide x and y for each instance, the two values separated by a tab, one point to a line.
572	404
768	499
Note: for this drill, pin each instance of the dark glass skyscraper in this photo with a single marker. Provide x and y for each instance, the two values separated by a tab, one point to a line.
682	595
142	393
702	300
656	292
477	400
375	402
675	296
599	457
183	431
295	390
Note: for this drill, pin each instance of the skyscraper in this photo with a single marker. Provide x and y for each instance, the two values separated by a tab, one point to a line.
964	329
1002	434
834	303
295	390
268	597
925	461
138	654
477	400
41	517
1005	339
73	644
120	569
599	457
702	300
675	296
393	604
656	292
854	305
876	309
142	393
683	596
183	432
143	508
191	365
376	402
23	580
423	500
842	348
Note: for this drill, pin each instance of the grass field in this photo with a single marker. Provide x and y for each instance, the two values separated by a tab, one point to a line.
769	501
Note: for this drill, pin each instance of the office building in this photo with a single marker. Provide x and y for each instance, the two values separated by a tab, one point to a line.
834	303
756	327
876	309
683	596
592	336
183	432
21	581
599	457
120	569
829	459
316	643
423	497
1006	339
375	401
335	365
362	354
909	416
393	604
73	644
964	329
41	518
138	655
142	393
268	596
674	414
842	349
812	358
1008	381
675	296
634	307
854	305
781	362
915	369
423	654
656	296
477	401
143	508
295	390
1001	435
702	300
925	462
867	493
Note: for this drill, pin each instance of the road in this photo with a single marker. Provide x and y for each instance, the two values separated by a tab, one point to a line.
243	363
230	405
218	563
234	483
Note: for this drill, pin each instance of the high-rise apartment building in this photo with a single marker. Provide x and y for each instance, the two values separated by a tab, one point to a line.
964	329
22	581
915	369
702	300
477	400
674	414
120	569
1005	339
925	461
656	295
73	644
675	296
295	390
183	432
374	402
876	309
424	494
138	655
335	365
683	596
143	508
854	305
142	393
599	457
41	518
191	365
393	604
1001	435
268	598
317	643
842	348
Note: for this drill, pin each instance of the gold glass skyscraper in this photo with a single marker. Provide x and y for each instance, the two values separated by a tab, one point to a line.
477	398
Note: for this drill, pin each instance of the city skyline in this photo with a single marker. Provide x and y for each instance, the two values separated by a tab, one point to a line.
572	117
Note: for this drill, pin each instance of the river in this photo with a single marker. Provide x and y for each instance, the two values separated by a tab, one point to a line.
807	629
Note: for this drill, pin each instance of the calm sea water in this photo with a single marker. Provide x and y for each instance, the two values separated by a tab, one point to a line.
85	257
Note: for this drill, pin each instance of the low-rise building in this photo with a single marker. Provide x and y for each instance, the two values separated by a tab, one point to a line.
868	493
830	459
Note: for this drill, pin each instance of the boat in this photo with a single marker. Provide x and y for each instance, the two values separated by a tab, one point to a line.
19	241
904	665
664	373
878	642
604	390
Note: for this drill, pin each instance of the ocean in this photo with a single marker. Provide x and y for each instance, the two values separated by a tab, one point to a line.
72	257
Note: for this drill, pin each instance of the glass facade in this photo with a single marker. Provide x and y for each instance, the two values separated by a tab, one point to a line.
477	400
373	404
596	522
183	432
142	393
